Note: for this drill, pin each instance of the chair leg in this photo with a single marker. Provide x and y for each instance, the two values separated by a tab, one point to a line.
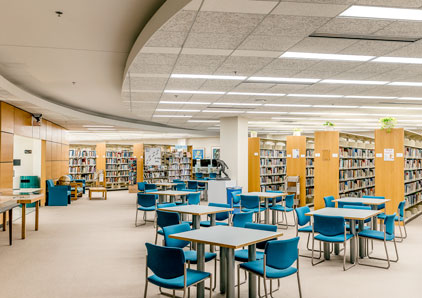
265	287
146	288
238	281
174	293
381	259
345	252
397	253
136	217
156	235
298	284
211	288
320	254
215	274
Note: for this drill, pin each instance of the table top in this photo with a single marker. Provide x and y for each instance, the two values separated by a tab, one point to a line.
227	236
165	184
196	209
11	192
99	188
365	201
171	192
263	194
205	181
347	213
7	205
22	199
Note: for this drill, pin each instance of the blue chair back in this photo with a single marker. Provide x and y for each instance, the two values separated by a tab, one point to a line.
165	262
165	219
146	200
389	224
376	197
178	181
198	175
401	209
240	219
194	198
262	227
150	186
164	205
281	254
180	186
184	227
342	204
70	177
213	175
236	196
141	186
329	225
222	215
290	201
302	219
193	185
277	199
249	202
329	202
50	183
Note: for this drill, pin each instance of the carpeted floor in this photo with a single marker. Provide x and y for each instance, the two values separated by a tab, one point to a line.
92	249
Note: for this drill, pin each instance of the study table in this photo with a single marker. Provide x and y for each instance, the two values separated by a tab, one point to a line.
266	196
172	194
206	187
7	207
165	185
353	215
228	238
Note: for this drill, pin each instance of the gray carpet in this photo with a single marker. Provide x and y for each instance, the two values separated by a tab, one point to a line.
92	249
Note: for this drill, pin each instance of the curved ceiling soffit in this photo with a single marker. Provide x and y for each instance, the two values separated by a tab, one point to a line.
92	115
163	14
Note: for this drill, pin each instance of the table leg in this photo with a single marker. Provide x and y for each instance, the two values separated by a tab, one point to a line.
274	213
352	241
4	221
196	220
90	194
336	249
223	269
23	232
326	250
212	222
252	277
362	247
105	195
374	219
230	273
206	192
37	214
10	225
200	287
266	212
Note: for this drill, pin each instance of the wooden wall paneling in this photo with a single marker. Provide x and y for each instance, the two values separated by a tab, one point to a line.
6	175
55	169
56	133
7	117
49	151
23	123
190	150
48	170
64	137
138	152
43	177
65	152
43	130
326	167
101	160
254	174
6	147
49	132
297	166
389	175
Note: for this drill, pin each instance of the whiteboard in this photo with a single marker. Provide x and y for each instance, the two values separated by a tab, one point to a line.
152	156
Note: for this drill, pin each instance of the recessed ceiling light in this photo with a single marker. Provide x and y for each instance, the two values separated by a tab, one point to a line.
354	82
93	126
414	84
315	95
255	94
193	92
236	104
184	102
204	121
335	106
398	60
265	112
376	12
176	110
301	55
286	105
171	116
370	97
222	111
282	80
207	77
410	98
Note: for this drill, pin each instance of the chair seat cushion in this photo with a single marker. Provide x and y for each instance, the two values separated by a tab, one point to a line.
241	255
192	276
191	256
207	223
337	238
281	208
150	190
152	208
382	216
307	229
254	210
187	221
357	227
160	232
375	235
258	268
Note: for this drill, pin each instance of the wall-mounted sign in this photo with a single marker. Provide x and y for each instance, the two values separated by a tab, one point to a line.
153	156
389	154
27	151
295	153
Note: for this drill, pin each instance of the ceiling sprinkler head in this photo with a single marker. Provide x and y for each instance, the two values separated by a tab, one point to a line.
59	13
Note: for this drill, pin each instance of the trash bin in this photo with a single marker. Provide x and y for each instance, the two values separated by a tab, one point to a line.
229	195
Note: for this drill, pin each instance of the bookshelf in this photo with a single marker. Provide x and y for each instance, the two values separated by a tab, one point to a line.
82	163
296	163
119	169
266	164
309	186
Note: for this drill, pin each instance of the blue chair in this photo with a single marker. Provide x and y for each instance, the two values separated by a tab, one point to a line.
219	217
279	257
150	187
57	195
235	199
178	181
146	203
329	202
342	204
239	220
289	203
331	229
141	186
165	219
170	272
379	207
400	219
180	186
386	236
83	181
251	203
192	185
194	198
190	255
213	175
199	175
303	224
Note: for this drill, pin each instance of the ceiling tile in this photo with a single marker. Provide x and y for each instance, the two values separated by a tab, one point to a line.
373	47
321	45
402	29
182	84
181	21
269	42
391	3
166	39
214	40
353	26
243	65
214	52
309	9
239	6
252	53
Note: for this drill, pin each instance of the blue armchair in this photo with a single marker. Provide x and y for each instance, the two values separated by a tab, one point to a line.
83	181
57	195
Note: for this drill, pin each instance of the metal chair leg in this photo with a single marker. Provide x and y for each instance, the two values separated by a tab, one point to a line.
146	288
312	258
380	259
265	287
298	283
238	281
345	253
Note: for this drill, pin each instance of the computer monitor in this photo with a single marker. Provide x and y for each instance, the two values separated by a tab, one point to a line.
205	162
214	163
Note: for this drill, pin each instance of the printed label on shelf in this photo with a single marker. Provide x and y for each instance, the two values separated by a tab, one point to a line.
302	155
399	154
289	155
255	153
378	155
335	155
317	154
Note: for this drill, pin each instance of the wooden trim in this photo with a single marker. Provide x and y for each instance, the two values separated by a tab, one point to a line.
138	152
297	166
254	167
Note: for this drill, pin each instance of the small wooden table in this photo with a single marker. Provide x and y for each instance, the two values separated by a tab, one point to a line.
4	208
103	190
228	238
266	196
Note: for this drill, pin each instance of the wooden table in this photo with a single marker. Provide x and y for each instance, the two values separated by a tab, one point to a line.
172	194
353	215
7	206
103	190
266	196
228	238
165	185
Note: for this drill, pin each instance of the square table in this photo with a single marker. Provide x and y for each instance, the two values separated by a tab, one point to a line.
228	238
172	194
165	185
103	190
353	215
7	206
266	196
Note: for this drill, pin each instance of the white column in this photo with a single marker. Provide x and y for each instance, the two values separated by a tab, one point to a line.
234	148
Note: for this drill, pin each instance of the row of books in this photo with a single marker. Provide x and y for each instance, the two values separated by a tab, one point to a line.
272	153
181	154
132	171
119	154
345	186
82	153
412	175
117	160
412	164
273	171
184	160
87	176
117	173
356	152
149	175
309	182
310	153
309	162
310	192
412	152
356	174
356	163
271	187
179	172
362	192
309	171
180	167
272	162
117	167
413	198
82	169
81	161
117	179
272	179
413	187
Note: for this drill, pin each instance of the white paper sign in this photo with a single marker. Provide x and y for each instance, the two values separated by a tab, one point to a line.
317	154
295	153
255	153
289	155
378	155
302	155
335	155
388	154
399	154
153	156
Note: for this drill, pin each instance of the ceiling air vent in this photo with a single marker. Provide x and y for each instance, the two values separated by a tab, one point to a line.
366	37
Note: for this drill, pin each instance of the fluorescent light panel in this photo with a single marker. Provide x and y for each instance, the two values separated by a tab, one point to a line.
412	84
335	106
398	60
410	98
176	110
319	56
286	105
375	12
194	92
222	111
184	102
236	104
203	121
265	112
98	126
206	77
354	82
255	94
283	80
314	95
370	97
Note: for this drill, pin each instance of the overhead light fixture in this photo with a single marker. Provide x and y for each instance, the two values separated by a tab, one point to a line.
236	104
102	129
282	80
184	102
410	98
411	84
176	110
334	106
203	121
194	92
354	82
398	60
287	105
370	97
255	94
222	111
376	12
319	56
171	116
207	77
314	95
98	126
265	112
